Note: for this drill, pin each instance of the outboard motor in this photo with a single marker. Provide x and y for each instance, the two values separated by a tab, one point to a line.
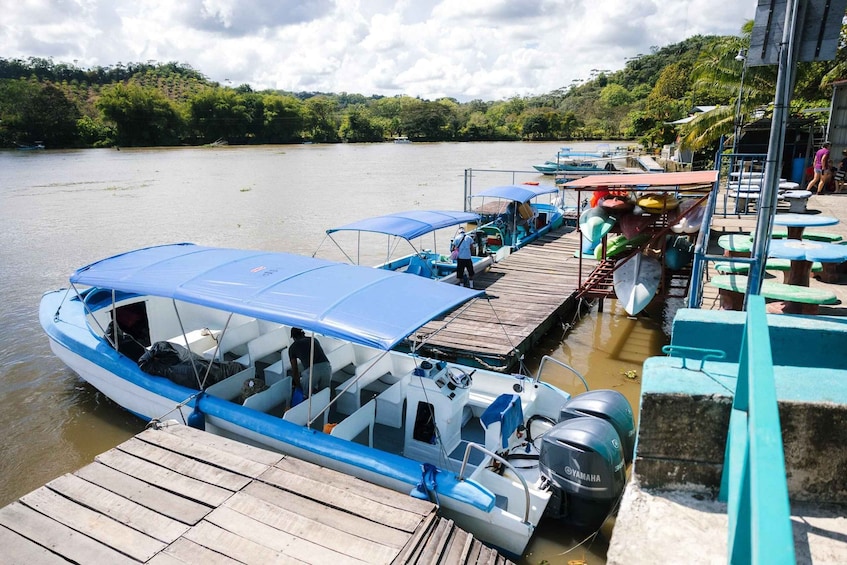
609	405
582	460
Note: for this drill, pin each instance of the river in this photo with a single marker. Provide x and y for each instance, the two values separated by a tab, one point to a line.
60	210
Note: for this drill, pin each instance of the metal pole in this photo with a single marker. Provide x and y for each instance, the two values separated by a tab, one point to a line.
742	56
776	142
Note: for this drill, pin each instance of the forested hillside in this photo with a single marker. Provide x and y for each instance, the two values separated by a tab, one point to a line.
149	104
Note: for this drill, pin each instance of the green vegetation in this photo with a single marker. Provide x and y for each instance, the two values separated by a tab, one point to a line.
147	104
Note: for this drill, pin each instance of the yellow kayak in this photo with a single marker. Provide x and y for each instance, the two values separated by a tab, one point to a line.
658	202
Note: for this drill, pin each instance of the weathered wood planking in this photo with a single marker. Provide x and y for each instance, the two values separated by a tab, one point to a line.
176	495
527	291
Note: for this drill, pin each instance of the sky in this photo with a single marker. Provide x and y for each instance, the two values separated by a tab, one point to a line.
464	49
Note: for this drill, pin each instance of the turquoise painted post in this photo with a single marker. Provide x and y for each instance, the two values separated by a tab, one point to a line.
753	480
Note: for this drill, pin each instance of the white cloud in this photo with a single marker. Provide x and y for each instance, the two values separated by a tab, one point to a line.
488	49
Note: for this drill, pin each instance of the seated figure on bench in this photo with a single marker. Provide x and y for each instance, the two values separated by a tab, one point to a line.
305	350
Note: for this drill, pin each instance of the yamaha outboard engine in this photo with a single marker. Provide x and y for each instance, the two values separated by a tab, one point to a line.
583	462
609	405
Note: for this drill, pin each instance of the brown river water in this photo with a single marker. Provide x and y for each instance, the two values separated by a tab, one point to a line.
60	210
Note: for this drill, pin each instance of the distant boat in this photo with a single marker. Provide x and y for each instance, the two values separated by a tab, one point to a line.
30	147
401	139
552	167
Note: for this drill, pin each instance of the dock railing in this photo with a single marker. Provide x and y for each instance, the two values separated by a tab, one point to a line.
753	481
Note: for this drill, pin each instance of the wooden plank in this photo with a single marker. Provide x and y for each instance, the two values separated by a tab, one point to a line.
238	548
357	487
56	537
118	508
301	538
95	525
437	542
342	494
194	489
232	447
187	466
414	546
188	447
384	534
18	550
147	495
186	552
460	546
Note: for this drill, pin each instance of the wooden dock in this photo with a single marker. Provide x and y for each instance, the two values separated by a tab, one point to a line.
528	292
176	495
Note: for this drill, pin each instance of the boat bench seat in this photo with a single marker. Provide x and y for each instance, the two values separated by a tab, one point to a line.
389	403
266	345
278	394
230	387
300	414
234	339
362	419
366	373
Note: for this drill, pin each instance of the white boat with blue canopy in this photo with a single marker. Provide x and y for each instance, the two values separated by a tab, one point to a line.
517	215
426	259
200	334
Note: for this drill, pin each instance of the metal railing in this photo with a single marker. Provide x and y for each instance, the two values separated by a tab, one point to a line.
753	481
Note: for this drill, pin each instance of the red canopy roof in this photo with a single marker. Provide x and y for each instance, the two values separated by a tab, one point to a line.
670	180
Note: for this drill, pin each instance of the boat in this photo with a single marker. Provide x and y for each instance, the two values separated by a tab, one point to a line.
636	280
412	225
571	165
401	139
30	146
516	216
497	453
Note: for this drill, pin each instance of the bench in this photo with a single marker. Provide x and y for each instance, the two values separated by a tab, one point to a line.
230	387
797	200
300	414
266	344
278	394
362	419
389	403
805	299
233	339
367	373
772	264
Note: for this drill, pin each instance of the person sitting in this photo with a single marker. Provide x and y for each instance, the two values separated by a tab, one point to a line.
305	350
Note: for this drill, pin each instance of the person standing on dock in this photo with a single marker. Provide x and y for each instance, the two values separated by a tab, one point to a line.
464	260
821	165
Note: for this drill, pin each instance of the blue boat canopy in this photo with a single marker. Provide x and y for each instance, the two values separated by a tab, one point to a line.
373	307
411	224
517	192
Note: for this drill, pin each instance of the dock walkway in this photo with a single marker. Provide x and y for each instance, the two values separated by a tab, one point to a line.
176	495
528	291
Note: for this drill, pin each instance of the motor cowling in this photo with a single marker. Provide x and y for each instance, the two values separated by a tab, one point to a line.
609	405
583	461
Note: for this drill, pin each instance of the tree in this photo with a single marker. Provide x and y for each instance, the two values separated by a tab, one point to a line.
283	118
359	126
321	122
219	113
142	116
32	111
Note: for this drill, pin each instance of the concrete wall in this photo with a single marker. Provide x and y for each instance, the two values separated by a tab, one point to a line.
685	412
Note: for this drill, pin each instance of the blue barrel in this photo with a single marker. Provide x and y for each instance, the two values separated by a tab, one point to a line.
798	169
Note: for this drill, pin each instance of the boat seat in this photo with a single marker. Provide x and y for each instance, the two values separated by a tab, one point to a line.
389	403
300	414
501	420
366	373
419	266
234	339
362	419
265	345
278	394
230	387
